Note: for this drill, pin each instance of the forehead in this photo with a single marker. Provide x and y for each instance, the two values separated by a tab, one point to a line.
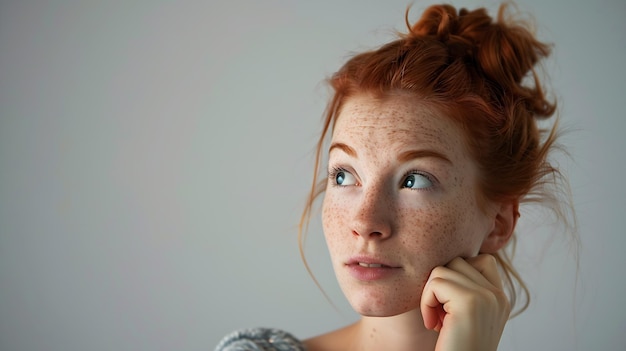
395	121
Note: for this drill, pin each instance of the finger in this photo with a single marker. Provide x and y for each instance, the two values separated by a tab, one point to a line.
447	274
438	300
457	279
487	265
431	307
463	267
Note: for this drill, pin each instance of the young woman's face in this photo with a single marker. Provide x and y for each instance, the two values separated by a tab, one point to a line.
401	199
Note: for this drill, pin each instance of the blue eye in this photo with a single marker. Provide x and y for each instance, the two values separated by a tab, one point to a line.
343	177
340	177
416	181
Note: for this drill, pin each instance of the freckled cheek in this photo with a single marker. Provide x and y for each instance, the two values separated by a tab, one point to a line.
334	221
433	234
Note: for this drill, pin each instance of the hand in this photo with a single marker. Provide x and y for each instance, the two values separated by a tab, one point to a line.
464	301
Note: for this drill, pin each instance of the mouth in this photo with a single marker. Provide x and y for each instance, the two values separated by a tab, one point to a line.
369	269
370	262
373	265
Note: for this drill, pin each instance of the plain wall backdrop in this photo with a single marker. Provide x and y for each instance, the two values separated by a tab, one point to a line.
155	157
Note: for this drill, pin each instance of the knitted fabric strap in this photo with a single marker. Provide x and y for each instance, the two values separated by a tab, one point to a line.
260	339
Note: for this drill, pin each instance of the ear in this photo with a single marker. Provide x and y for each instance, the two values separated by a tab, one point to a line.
504	225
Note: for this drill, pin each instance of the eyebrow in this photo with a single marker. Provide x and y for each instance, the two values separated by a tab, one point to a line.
403	157
413	154
343	147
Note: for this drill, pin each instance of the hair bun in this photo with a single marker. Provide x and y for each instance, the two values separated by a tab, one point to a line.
460	32
503	51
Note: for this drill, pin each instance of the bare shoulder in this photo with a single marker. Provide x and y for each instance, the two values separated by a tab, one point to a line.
336	340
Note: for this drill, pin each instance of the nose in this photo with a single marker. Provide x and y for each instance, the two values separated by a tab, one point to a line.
372	218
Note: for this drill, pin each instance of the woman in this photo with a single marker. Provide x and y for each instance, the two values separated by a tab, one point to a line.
434	143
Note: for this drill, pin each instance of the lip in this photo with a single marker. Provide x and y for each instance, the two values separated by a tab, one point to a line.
369	268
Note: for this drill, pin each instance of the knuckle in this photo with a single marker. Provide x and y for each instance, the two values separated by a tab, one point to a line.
456	263
456	260
438	271
436	281
484	261
489	259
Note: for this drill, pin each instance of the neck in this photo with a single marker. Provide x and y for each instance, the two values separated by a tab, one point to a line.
404	332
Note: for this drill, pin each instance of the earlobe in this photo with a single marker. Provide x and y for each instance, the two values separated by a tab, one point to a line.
504	225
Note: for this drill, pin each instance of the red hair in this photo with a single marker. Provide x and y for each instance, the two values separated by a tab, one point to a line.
480	73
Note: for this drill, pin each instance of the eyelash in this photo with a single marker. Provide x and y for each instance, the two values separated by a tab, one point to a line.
430	178
332	174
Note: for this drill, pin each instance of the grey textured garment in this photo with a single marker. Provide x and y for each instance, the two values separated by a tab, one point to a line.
260	339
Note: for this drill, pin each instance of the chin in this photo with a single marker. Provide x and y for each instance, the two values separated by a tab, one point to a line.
382	312
381	302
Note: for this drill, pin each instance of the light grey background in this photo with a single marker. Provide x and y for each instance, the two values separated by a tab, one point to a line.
155	157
